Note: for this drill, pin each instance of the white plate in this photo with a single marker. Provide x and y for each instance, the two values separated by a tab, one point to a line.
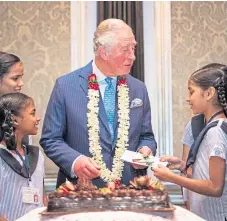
129	155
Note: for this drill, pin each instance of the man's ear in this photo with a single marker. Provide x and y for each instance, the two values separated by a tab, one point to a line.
210	93
103	53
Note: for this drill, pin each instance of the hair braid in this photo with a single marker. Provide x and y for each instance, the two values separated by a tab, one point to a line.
8	131
221	91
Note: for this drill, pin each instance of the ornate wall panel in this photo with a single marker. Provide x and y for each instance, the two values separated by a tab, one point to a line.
39	33
199	36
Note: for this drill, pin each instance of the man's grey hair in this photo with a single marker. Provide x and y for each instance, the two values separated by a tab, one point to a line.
106	33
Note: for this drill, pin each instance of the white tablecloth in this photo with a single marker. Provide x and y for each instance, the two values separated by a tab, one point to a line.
180	214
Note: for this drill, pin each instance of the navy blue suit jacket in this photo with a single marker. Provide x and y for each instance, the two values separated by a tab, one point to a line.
65	133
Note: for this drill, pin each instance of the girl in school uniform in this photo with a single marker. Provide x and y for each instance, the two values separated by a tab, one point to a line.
207	96
192	129
21	166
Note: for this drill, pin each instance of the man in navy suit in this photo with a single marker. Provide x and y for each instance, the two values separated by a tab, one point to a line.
65	137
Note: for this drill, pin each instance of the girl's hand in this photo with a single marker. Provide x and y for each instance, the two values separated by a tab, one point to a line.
173	162
161	172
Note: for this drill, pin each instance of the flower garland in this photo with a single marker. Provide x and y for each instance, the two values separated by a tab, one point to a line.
93	128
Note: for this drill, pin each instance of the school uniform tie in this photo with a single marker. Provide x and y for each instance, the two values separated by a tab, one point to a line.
109	104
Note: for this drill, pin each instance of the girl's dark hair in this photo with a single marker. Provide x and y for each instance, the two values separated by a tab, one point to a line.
210	65
6	62
213	77
213	65
11	104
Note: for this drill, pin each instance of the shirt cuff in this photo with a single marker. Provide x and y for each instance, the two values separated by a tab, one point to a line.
73	175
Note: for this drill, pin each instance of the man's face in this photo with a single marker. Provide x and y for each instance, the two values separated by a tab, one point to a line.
122	54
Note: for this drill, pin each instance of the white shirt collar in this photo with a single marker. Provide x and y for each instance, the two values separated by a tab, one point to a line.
100	76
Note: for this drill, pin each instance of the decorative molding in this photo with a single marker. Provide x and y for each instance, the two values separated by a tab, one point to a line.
164	75
158	75
150	77
82	32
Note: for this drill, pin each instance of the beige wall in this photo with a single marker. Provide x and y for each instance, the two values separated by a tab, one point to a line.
199	36
39	33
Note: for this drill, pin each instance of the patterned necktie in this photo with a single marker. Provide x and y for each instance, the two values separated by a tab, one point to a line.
109	104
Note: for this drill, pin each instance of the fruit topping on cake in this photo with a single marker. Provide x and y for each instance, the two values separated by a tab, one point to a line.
145	182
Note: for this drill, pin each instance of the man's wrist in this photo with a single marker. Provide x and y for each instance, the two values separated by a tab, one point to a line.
73	175
139	148
142	148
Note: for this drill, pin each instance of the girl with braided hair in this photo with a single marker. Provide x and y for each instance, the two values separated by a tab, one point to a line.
208	154
21	166
192	130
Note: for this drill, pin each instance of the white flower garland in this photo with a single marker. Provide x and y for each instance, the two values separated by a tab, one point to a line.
123	131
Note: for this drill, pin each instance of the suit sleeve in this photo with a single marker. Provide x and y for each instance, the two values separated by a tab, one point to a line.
147	136
54	129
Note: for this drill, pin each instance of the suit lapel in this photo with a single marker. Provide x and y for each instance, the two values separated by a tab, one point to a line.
84	74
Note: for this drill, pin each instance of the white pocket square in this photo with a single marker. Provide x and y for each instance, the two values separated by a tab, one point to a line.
136	103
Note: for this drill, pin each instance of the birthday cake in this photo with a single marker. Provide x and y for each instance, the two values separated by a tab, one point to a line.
142	194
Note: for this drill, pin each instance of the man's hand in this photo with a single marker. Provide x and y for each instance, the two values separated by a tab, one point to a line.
146	151
85	167
173	162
